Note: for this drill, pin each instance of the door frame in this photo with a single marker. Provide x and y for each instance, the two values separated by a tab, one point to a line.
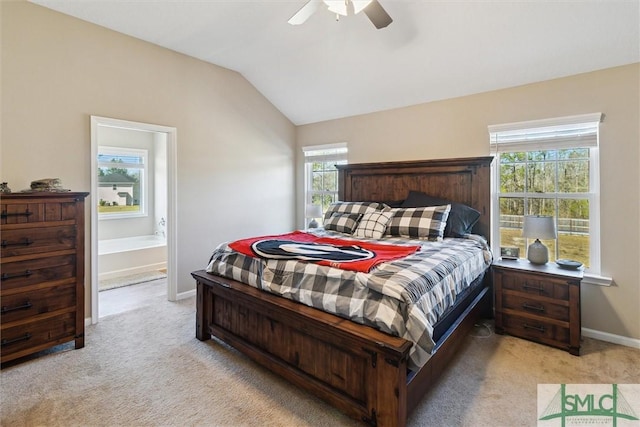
172	211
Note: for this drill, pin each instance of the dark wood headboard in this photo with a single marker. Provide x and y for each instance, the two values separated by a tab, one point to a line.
465	180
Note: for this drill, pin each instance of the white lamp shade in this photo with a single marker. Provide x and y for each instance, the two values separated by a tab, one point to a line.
539	227
313	211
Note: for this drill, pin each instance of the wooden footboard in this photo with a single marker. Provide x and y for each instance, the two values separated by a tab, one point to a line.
361	371
357	369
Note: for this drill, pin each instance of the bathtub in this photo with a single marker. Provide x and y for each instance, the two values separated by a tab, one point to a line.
131	255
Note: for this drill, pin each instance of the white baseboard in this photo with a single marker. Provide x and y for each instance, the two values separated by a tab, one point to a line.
185	295
133	270
616	339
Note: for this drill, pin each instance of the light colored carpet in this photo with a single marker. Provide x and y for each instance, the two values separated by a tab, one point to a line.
131	279
146	368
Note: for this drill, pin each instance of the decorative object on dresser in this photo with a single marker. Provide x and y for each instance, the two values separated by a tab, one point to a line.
538	227
42	281
538	302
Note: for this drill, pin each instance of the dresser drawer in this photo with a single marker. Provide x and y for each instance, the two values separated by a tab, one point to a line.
24	241
24	305
40	270
37	335
535	285
25	212
535	330
536	306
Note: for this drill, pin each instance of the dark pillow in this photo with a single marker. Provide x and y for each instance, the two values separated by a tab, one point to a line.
461	219
393	203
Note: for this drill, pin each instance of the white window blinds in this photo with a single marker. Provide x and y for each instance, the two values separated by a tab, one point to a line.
548	134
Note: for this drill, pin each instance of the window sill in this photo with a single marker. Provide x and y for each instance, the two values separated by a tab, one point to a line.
102	217
595	279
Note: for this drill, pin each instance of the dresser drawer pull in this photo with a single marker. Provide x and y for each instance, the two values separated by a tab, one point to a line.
6	276
534	327
530	307
528	287
25	337
26	306
24	242
6	214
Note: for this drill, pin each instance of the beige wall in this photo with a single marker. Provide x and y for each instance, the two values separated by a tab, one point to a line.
458	128
232	144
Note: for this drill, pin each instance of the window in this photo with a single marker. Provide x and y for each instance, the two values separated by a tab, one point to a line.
549	167
121	182
321	175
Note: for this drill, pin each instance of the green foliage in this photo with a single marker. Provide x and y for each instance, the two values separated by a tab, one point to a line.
546	171
547	182
134	174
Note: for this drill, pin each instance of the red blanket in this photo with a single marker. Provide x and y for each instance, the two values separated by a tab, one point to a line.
329	251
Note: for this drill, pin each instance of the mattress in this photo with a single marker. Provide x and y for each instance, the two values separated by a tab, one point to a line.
405	297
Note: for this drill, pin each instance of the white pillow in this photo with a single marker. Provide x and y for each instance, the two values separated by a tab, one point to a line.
373	224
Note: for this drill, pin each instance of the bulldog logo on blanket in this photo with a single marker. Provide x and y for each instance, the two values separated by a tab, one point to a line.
289	249
339	253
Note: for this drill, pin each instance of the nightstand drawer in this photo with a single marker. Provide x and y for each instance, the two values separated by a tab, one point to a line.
25	305
538	307
535	330
536	285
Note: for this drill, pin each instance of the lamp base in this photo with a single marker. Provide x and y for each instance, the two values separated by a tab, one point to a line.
313	224
537	253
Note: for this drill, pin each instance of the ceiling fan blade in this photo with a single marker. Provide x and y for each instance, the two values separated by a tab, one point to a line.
377	15
305	12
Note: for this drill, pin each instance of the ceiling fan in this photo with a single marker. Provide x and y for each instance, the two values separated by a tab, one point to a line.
374	11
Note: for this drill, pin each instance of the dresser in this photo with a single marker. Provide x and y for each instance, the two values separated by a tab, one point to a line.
42	271
538	302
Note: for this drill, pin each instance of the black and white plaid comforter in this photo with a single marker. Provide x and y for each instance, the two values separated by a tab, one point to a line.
404	298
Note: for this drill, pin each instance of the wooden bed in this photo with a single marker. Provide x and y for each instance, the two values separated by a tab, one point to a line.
357	369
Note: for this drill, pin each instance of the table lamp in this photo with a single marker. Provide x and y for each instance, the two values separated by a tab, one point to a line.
538	227
313	212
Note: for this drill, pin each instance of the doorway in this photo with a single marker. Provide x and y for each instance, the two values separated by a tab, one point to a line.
133	183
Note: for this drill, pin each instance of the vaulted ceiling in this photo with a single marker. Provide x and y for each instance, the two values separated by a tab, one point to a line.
326	69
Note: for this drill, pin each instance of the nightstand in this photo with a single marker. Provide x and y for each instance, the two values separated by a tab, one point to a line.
540	303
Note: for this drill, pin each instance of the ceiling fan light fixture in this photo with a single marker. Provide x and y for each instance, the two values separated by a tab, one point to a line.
372	8
341	7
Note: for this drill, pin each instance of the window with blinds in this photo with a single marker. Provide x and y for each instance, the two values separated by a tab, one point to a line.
121	182
549	167
321	176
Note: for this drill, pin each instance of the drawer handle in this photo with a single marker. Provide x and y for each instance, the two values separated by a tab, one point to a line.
24	242
26	306
6	276
528	287
535	327
25	337
530	307
6	214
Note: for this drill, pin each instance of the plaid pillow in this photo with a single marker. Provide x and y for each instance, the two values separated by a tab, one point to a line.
421	223
352	208
373	224
342	223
